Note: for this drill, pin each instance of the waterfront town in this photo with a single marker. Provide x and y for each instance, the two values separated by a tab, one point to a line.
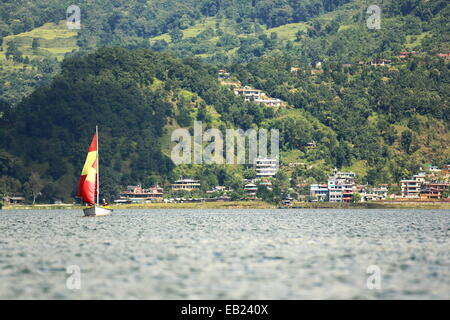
341	187
430	184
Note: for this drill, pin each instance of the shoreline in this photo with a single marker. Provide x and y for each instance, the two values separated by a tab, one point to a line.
431	205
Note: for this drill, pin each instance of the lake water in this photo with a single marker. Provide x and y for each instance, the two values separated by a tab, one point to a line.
226	254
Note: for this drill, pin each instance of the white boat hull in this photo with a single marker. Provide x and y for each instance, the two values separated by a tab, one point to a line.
97	212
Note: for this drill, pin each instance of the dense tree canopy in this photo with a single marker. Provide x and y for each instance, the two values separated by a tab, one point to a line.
341	112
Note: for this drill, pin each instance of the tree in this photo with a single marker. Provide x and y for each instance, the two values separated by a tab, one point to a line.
265	194
356	198
299	35
176	35
35	44
280	185
235	196
250	173
13	51
446	193
406	140
9	186
35	185
160	45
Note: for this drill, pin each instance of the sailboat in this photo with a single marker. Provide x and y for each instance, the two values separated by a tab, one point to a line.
89	187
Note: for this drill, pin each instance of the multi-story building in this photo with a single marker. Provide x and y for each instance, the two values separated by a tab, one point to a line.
250	190
433	190
335	190
186	185
348	189
319	191
266	168
341	186
411	188
447	169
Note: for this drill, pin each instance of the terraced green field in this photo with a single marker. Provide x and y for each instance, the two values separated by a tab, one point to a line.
285	32
288	31
414	41
55	41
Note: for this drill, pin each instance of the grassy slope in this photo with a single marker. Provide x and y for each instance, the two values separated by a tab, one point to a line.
345	13
285	32
55	41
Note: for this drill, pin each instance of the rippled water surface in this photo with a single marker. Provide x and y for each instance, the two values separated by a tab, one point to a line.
226	254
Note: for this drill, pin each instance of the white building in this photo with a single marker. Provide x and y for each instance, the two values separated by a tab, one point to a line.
248	93
341	186
335	190
251	190
319	191
374	194
411	188
186	185
381	193
269	102
343	175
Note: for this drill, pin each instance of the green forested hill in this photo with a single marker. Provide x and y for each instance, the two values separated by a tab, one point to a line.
221	32
131	95
33	33
393	120
383	122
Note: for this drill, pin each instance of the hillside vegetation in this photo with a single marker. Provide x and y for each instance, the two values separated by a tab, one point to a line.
131	95
158	72
220	32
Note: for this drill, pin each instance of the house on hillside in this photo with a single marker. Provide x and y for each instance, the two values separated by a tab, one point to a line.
270	102
406	54
381	63
446	56
223	74
249	94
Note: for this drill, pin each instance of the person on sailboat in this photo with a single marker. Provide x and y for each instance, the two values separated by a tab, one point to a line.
104	203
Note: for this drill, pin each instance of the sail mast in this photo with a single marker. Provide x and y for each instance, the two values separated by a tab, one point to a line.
98	169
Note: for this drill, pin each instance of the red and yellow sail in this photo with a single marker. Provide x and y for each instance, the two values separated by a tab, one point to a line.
87	188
